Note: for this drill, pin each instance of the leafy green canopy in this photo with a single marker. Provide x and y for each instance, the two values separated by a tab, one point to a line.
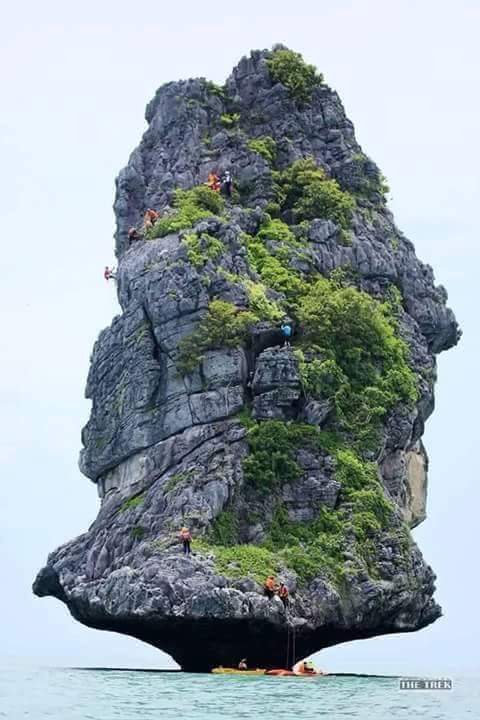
272	448
290	69
190	206
359	361
306	190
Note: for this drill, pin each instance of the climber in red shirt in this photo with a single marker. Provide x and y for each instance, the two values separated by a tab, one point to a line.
109	274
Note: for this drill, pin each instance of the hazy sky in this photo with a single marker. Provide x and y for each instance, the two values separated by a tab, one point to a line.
74	85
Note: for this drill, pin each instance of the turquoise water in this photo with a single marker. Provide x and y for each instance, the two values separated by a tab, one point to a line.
67	694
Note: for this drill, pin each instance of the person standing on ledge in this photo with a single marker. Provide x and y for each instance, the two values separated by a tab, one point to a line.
186	538
283	594
227	183
213	182
287	331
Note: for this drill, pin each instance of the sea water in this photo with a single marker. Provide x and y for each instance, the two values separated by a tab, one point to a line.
75	694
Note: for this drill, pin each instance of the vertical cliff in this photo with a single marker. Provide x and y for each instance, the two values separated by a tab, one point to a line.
305	460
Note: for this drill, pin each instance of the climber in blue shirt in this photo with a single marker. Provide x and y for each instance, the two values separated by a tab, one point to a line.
287	331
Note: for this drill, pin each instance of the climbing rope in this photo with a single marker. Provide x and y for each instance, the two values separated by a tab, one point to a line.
294	658
290	640
288	645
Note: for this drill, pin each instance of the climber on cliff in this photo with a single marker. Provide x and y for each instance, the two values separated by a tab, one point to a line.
109	273
283	594
213	182
270	587
227	183
287	332
133	235
186	538
150	218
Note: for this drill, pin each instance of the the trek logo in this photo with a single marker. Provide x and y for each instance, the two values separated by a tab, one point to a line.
424	684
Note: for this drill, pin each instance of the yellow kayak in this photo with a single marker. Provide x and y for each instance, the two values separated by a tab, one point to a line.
235	671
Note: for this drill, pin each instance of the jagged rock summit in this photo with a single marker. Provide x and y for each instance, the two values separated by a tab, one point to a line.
304	460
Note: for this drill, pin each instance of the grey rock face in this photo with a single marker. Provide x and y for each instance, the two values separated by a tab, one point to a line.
167	449
276	385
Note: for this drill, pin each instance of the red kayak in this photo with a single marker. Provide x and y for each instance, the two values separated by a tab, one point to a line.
290	673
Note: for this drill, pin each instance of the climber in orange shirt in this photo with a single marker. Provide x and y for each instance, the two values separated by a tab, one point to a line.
213	182
270	586
150	218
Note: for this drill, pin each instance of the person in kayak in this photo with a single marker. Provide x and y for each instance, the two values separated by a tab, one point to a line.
186	538
242	665
304	667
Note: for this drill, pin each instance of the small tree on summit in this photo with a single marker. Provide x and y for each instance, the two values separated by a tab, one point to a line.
290	69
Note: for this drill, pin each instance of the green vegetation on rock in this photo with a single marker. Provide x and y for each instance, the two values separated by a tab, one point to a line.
132	502
138	532
224	529
215	89
309	548
290	69
349	355
191	206
371	184
259	303
272	452
239	561
305	189
264	146
202	248
274	269
229	120
223	326
359	361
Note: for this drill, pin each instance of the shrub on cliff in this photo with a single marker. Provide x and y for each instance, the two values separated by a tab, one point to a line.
229	120
306	190
224	325
277	231
363	364
290	69
264	146
191	206
202	248
274	271
260	304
